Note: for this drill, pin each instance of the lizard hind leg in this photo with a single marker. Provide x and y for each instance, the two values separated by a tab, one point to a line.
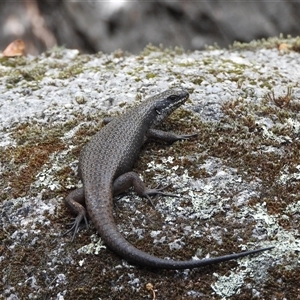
75	202
126	180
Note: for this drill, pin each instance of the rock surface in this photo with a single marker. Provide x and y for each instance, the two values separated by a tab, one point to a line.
238	181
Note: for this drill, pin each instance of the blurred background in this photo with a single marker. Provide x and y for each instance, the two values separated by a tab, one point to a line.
93	26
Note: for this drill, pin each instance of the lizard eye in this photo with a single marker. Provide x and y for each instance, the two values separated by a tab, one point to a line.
173	97
157	111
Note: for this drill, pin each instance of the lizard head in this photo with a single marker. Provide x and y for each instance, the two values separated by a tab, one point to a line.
167	101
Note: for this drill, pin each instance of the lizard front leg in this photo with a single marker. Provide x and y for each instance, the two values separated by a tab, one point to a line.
168	137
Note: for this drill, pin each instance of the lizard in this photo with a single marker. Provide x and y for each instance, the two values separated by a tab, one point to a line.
105	169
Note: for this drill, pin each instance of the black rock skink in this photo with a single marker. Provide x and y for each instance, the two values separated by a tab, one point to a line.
105	166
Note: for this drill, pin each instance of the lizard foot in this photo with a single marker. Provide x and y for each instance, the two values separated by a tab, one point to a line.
157	191
75	226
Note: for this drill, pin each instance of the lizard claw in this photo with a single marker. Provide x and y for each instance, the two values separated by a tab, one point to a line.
150	200
157	191
187	136
75	226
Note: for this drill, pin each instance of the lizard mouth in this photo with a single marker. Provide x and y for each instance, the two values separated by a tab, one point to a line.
170	100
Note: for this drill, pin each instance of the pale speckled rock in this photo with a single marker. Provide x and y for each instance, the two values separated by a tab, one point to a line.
76	91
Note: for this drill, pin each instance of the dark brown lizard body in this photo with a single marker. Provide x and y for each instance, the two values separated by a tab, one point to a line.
105	169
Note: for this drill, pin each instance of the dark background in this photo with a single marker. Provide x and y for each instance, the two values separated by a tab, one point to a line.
93	26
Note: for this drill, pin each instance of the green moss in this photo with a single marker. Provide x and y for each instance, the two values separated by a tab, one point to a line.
13	62
151	75
281	43
71	71
149	49
56	52
13	79
198	80
28	73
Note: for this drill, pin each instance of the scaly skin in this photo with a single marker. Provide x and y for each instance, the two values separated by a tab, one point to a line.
104	167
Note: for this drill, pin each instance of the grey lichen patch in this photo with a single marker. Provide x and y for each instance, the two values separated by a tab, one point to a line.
80	99
286	240
94	247
230	284
293	208
237	182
